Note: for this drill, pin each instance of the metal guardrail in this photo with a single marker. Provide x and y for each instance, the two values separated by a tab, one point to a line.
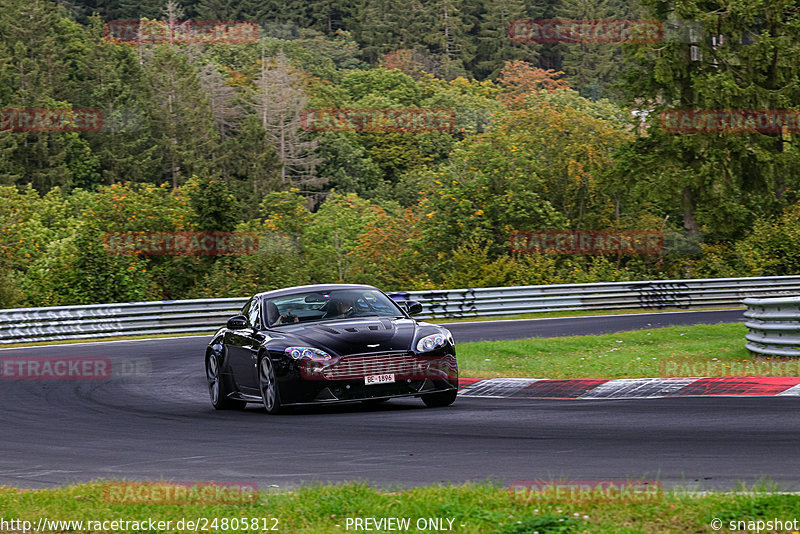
774	326
24	325
682	294
206	315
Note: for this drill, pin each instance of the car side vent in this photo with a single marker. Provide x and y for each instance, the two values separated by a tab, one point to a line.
329	330
351	329
373	327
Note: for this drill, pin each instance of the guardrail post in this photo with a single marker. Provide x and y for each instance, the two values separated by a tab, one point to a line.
774	325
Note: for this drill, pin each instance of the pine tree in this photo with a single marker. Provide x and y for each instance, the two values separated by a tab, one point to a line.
448	35
494	46
42	58
378	27
129	9
232	10
591	67
252	167
180	113
278	101
226	109
550	54
115	84
331	15
719	180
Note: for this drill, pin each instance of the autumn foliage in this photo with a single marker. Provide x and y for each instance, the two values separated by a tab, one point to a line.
520	78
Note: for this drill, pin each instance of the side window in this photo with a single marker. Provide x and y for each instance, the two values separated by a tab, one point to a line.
252	314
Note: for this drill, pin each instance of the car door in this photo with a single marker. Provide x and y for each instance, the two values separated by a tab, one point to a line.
243	348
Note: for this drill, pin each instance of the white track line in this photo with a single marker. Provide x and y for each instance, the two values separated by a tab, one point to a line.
793	391
622	388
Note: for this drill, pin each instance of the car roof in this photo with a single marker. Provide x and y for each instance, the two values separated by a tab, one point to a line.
305	289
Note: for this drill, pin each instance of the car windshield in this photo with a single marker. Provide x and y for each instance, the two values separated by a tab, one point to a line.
313	306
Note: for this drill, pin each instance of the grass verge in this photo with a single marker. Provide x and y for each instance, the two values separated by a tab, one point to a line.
701	350
470	508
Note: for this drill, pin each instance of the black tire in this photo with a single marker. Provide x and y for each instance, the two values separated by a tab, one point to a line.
217	389
441	399
268	386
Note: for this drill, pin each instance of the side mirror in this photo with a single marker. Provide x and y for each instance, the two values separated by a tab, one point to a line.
237	322
413	307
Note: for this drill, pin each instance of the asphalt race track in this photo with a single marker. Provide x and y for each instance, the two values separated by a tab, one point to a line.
584	326
156	422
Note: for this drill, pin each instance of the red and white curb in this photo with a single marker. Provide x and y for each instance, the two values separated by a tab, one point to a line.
629	388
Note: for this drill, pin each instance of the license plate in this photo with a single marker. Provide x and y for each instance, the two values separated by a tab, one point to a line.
379	379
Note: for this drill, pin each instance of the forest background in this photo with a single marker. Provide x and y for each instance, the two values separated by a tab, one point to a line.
209	138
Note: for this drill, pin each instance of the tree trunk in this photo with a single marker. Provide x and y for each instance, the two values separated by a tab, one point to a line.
688	211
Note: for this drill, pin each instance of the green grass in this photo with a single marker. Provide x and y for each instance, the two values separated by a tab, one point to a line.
701	350
474	508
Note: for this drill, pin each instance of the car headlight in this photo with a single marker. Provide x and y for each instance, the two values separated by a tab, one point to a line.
431	342
310	353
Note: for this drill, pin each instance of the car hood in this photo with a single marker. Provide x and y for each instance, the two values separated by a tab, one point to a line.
357	335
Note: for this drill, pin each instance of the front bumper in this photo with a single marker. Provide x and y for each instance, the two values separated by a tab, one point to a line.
343	379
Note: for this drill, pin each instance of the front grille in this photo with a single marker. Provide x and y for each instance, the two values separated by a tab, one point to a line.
401	364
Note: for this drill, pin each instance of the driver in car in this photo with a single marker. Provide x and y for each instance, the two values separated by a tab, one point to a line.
275	317
341	306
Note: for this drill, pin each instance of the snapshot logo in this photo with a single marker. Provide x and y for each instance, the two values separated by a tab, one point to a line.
730	121
50	120
180	243
54	368
180	32
585	491
180	493
586	242
719	368
378	120
585	31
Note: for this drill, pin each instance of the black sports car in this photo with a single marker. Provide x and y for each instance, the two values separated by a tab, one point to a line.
329	343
